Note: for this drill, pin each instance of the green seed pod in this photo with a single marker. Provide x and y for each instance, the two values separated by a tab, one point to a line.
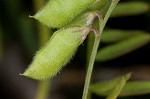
51	58
57	13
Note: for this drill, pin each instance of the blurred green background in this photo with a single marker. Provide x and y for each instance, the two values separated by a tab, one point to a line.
122	51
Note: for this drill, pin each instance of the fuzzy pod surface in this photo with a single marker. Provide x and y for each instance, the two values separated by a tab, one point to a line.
57	13
50	59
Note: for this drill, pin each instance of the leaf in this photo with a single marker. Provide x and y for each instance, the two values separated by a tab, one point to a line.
116	50
116	91
136	88
111	35
113	86
131	88
130	8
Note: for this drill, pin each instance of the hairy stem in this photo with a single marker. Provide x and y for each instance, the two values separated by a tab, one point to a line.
95	48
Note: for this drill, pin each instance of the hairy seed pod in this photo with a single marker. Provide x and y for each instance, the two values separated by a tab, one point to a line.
49	60
57	13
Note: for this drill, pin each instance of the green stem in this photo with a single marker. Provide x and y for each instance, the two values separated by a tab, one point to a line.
90	67
90	42
43	89
112	6
95	48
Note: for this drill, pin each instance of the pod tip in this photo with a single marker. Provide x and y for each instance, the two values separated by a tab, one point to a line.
21	74
31	16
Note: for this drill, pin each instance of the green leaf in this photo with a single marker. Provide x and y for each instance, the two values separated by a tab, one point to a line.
131	88
111	35
116	91
116	50
113	86
136	88
130	8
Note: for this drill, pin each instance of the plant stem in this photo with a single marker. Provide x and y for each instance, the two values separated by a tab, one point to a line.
95	48
90	42
112	6
90	68
43	89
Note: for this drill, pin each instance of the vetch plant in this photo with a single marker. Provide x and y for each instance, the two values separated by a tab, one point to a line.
64	42
122	47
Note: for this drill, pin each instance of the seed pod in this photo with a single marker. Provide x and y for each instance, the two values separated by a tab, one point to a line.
51	58
57	13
